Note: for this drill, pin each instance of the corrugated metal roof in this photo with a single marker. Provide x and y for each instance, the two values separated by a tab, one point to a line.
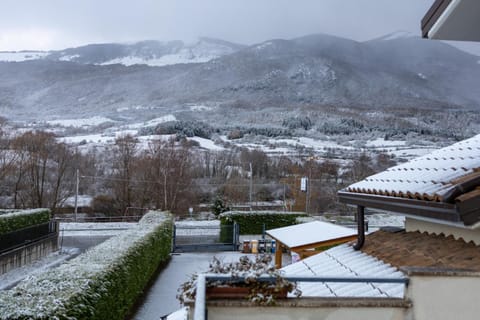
310	233
429	177
344	261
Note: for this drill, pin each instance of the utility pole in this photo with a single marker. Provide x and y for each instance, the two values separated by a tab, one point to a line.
251	184
76	195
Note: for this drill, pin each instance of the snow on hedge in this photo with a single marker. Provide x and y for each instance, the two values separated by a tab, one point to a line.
77	287
16	213
19	219
252	213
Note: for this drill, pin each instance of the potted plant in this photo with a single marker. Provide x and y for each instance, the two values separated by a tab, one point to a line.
259	292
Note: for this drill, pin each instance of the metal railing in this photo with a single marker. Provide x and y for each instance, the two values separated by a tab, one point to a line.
200	298
71	218
21	237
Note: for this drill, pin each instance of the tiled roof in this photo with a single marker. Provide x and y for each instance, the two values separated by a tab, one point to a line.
415	249
429	177
344	261
310	233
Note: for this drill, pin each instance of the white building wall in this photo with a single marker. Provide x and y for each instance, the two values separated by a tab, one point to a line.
444	297
412	225
298	313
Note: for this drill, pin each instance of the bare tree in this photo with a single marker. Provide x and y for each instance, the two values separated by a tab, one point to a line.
42	173
125	153
7	157
171	169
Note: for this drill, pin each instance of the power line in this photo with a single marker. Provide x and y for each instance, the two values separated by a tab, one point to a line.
185	184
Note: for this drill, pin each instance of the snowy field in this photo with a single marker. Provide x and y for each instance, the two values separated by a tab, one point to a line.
78	123
207	144
19	56
385	219
380	142
153	122
103	229
198	228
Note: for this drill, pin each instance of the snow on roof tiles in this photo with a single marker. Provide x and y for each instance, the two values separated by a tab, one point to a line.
429	177
344	261
309	233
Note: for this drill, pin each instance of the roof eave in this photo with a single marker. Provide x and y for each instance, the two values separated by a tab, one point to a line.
433	15
452	20
428	209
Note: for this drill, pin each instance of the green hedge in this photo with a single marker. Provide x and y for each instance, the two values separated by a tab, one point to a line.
15	220
102	283
251	222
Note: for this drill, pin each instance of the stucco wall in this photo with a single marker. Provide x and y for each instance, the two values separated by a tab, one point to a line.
444	297
467	235
27	254
296	313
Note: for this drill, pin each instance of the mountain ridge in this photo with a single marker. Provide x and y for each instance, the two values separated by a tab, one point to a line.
306	71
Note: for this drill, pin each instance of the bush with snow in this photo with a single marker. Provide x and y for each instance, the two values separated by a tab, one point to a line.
260	292
252	222
102	283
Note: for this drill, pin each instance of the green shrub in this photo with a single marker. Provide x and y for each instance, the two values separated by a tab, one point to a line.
102	283
252	222
15	220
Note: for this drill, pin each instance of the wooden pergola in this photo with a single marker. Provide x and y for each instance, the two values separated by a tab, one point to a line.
309	238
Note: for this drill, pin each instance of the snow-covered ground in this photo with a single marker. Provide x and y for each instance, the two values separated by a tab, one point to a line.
19	56
82	122
91	138
200	108
9	279
96	225
198	228
380	142
97	229
207	144
82	201
153	122
309	143
410	153
386	219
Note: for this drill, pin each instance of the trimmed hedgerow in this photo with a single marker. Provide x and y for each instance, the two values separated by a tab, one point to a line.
252	222
15	220
102	283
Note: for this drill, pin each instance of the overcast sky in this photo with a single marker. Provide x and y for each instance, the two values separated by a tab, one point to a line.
57	24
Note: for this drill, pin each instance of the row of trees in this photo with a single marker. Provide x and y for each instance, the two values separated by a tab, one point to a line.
37	170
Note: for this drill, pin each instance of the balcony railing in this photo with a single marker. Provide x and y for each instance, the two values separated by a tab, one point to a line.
200	298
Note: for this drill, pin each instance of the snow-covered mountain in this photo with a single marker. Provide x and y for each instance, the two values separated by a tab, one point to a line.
151	53
316	70
18	56
400	34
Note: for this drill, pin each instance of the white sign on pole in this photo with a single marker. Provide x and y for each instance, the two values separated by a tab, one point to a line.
303	184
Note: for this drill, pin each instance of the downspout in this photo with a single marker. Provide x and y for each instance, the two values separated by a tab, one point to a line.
360	228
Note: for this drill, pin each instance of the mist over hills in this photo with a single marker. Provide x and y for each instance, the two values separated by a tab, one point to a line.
317	70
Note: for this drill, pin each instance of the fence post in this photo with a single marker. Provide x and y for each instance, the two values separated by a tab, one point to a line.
174	231
235	236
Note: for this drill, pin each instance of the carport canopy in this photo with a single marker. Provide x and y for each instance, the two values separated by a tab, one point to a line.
311	235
